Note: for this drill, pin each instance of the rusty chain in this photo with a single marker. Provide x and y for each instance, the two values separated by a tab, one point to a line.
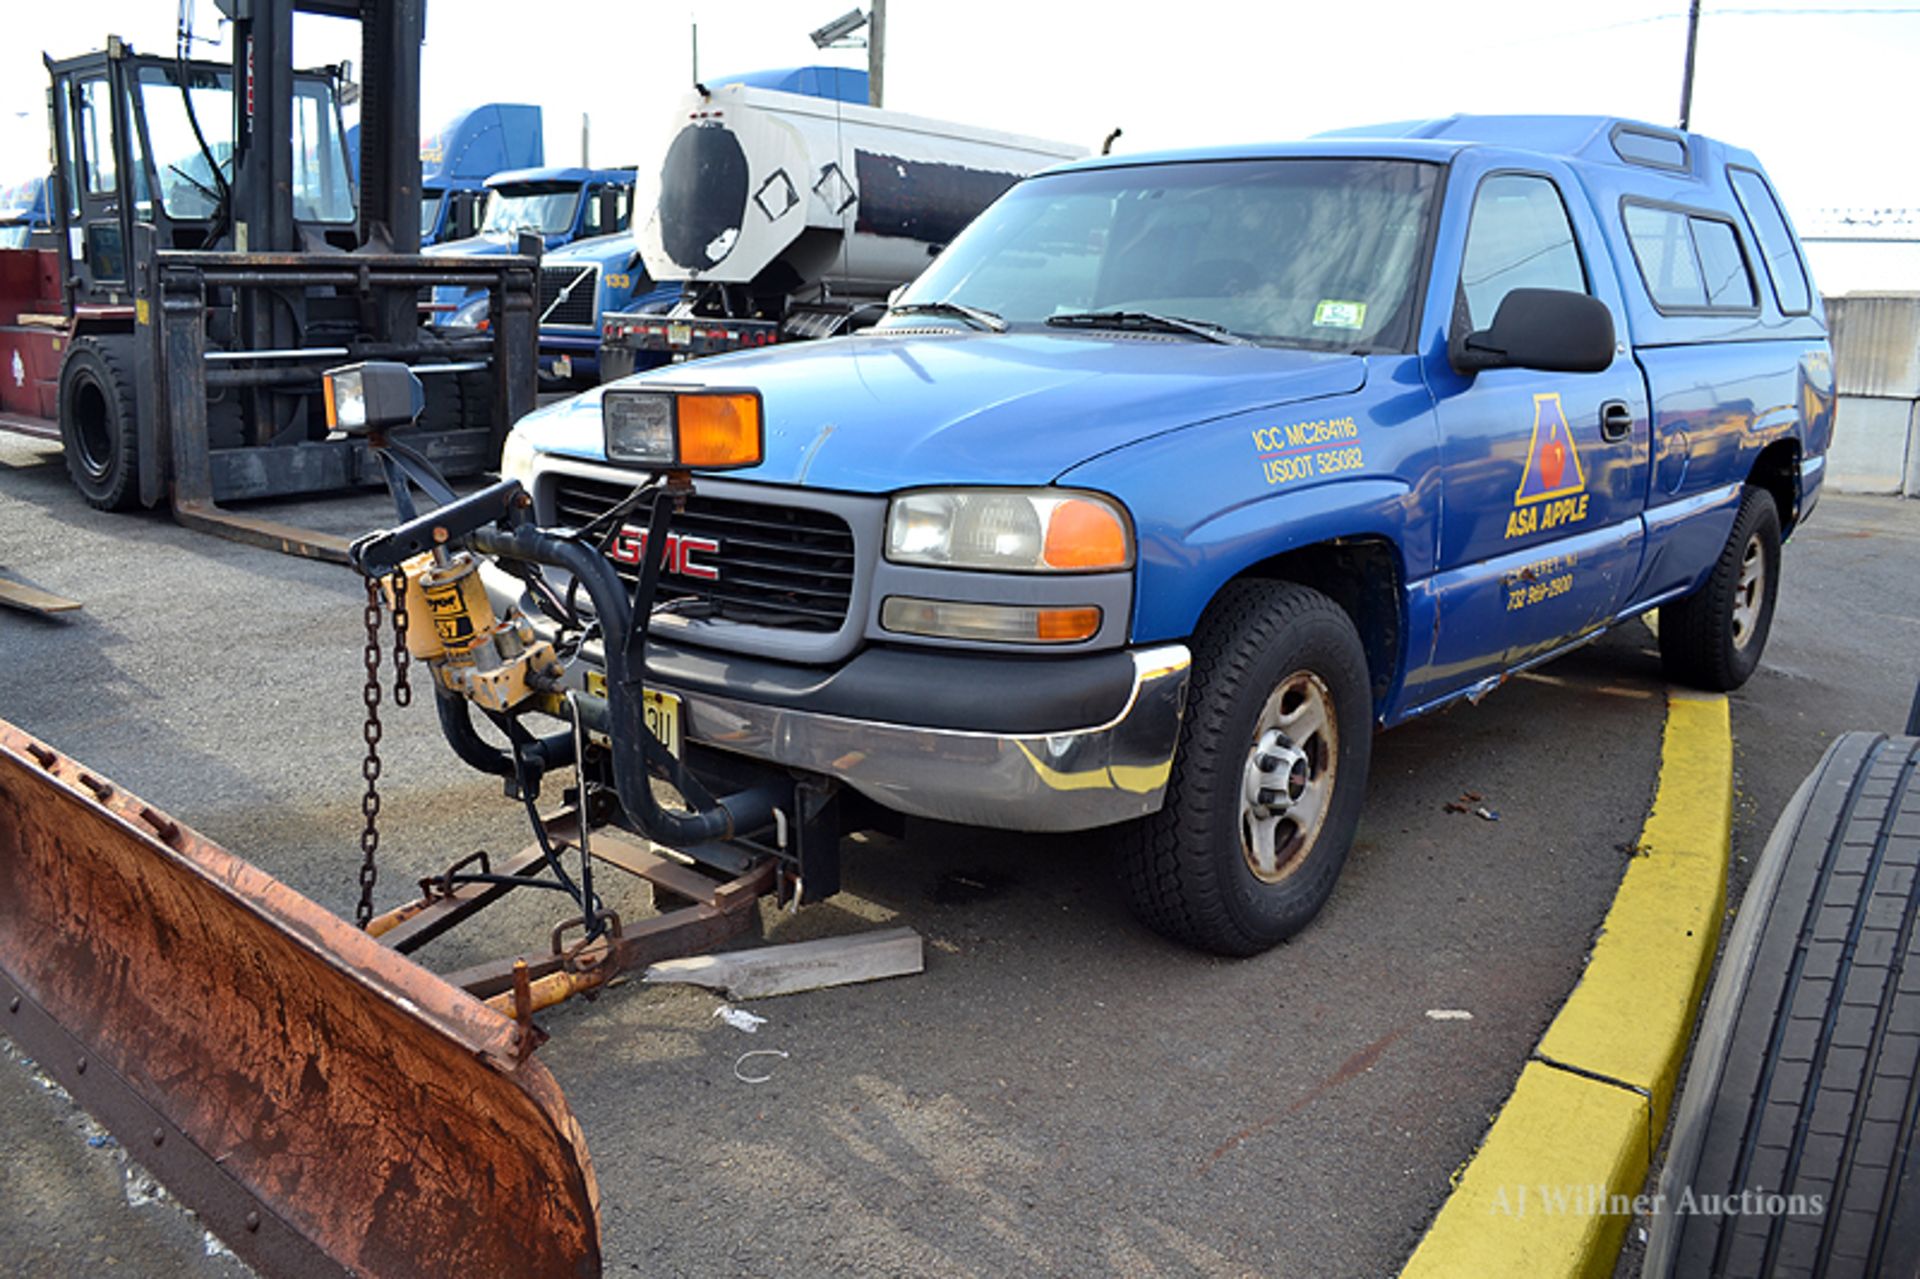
370	767
402	657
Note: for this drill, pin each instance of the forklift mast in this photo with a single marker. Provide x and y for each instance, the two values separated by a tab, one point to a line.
215	258
390	35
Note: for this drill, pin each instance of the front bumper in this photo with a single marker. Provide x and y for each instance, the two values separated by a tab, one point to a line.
1076	776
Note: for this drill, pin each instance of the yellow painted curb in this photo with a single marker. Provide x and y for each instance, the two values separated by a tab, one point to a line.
1573	1141
1631	1016
1536	1202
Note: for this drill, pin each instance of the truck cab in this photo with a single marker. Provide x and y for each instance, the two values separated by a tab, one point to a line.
1174	477
560	205
457	159
25	219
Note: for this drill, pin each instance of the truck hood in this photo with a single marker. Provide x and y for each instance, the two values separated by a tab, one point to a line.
482	246
599	250
881	412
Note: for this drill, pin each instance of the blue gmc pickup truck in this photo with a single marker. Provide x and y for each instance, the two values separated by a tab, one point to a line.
1175	476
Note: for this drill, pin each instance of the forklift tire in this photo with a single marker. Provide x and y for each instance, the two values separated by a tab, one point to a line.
1713	638
1269	779
97	425
1796	1140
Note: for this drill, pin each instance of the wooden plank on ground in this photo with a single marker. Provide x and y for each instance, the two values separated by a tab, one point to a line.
31	600
797	966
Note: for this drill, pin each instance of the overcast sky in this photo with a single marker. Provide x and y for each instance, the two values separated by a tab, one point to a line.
1822	90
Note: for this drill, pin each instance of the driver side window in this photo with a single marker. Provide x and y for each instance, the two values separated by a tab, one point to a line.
1519	238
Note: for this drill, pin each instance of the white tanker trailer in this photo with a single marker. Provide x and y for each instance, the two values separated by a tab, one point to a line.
780	215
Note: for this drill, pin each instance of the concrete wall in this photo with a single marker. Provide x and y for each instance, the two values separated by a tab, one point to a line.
1876	355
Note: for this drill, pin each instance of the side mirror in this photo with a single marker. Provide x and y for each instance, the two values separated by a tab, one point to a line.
372	396
1552	330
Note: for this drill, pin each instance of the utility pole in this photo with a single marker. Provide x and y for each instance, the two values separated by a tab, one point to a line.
877	51
1686	80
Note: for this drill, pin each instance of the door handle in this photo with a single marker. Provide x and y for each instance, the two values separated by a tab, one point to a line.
1616	420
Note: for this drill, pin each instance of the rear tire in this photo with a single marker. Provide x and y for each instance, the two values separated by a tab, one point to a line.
1805	1080
97	426
1713	638
1268	783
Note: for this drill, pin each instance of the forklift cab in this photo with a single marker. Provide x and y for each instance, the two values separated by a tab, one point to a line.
147	139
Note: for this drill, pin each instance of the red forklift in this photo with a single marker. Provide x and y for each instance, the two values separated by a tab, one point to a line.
213	257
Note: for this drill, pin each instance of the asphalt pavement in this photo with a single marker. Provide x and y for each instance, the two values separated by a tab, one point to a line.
1060	1091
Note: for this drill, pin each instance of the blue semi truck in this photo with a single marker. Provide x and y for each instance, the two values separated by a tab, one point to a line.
25	219
1176	476
457	159
558	204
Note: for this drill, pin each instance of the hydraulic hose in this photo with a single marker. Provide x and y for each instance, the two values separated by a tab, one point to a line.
456	725
625	647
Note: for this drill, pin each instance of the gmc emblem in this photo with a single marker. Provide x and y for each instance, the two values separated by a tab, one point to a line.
630	547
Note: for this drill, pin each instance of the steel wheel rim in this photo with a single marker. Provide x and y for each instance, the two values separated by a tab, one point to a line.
1751	594
1286	785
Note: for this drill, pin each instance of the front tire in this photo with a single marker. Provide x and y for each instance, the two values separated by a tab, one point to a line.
1713	638
1268	782
97	428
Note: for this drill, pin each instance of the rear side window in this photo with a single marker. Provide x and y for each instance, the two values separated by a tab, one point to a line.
1723	269
1519	238
1776	242
1690	262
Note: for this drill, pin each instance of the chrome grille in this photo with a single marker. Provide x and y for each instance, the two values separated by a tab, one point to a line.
783	566
566	295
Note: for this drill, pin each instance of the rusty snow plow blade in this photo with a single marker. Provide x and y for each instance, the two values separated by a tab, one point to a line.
326	1105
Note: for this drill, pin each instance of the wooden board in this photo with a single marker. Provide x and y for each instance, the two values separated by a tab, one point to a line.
30	600
797	966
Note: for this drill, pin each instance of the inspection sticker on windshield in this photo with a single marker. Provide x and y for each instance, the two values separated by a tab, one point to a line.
1331	314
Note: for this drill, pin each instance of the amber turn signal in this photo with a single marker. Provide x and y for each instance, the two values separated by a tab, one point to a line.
697	430
1085	535
720	431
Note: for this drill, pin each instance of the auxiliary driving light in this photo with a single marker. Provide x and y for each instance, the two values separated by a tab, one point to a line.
371	396
694	430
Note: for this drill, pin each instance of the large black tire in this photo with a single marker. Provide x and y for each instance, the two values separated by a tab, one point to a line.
97	426
1713	638
1199	871
1804	1091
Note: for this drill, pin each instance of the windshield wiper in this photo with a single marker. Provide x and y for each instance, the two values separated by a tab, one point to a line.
198	185
1148	320
974	315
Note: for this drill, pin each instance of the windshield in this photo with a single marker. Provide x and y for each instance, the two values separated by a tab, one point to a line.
15	235
1314	253
322	191
546	208
429	211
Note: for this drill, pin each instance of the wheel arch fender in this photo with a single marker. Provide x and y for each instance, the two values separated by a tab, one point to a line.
1776	470
1346	540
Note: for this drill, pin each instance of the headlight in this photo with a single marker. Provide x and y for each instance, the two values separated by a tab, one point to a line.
472	314
710	430
516	460
371	396
1010	530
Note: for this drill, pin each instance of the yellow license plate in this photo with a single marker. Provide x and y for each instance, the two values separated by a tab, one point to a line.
661	711
679	334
